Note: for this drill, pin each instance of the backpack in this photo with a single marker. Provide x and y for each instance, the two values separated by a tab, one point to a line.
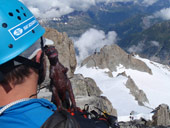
60	119
63	119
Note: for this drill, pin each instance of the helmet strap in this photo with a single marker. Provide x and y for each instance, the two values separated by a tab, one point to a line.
41	66
1	76
27	62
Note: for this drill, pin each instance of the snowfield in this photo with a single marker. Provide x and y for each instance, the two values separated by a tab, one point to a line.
155	86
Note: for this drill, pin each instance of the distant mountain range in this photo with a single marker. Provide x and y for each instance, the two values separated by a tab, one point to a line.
153	43
103	16
127	19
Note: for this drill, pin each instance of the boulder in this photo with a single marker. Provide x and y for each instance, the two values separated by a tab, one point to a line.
161	116
79	86
92	88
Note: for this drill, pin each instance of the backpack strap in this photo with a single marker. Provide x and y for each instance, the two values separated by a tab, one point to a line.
60	119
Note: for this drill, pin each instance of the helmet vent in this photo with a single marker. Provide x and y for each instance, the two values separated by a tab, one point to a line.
24	14
17	11
22	8
10	46
11	14
4	25
19	18
33	31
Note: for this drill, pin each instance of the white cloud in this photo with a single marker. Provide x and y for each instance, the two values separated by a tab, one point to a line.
155	43
35	11
147	21
93	39
137	48
149	2
140	46
164	14
48	8
154	58
118	0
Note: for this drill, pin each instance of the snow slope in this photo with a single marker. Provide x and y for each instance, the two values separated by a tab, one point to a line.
156	87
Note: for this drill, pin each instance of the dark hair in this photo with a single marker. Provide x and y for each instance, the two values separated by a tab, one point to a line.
17	75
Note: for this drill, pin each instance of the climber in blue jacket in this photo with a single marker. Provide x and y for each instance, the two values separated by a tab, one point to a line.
21	68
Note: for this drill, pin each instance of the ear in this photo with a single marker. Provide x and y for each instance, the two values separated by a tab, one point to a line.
38	56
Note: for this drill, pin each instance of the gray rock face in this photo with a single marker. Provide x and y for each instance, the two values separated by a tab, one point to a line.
161	116
92	88
65	48
111	56
87	92
139	95
79	86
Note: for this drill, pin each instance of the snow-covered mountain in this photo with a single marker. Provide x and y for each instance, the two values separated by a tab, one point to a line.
155	85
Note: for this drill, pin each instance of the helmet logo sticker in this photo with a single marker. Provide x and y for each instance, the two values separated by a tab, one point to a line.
23	28
18	31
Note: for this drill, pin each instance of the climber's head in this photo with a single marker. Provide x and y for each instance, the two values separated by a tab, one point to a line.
20	41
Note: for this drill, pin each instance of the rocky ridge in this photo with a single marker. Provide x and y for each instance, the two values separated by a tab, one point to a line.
112	56
139	95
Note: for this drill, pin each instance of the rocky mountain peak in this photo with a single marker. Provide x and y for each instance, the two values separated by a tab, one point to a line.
112	56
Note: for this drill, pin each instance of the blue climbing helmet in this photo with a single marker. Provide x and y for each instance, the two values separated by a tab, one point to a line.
19	29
